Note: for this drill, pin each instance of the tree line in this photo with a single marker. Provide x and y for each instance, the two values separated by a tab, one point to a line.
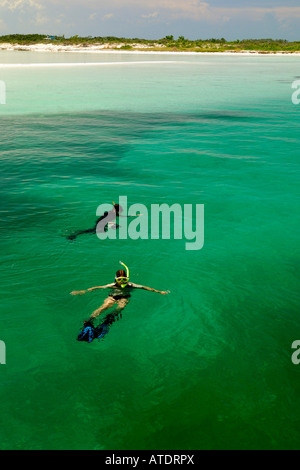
168	42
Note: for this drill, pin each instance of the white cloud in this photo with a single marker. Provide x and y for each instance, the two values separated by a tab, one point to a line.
19	4
2	24
197	10
131	13
60	19
150	15
108	16
40	19
175	9
287	13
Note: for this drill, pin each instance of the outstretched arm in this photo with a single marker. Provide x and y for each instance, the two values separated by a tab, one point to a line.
137	286
81	292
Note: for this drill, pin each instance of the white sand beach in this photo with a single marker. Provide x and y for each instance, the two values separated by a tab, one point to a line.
117	49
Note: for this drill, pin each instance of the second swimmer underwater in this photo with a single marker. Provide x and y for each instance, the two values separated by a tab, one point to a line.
119	297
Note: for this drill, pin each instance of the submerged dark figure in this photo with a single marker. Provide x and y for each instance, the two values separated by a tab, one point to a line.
107	219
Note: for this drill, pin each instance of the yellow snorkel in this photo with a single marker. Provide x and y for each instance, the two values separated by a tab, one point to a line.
124	280
127	270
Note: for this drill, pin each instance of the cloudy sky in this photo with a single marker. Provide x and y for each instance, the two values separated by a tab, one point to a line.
154	19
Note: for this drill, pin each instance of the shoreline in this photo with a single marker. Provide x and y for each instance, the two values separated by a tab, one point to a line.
136	49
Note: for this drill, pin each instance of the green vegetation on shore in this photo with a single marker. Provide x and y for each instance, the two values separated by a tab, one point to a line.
168	43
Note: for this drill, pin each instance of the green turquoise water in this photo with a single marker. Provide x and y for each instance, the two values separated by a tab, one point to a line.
208	366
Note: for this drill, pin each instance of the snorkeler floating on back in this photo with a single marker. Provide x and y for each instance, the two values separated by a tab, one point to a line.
120	292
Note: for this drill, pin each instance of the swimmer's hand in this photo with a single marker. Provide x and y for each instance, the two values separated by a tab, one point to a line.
112	225
165	292
78	292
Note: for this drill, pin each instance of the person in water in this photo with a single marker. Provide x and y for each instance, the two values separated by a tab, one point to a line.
120	292
108	218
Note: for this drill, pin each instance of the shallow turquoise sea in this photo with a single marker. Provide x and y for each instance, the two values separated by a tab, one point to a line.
207	366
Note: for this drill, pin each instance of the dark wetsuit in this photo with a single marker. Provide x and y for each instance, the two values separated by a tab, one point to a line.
108	216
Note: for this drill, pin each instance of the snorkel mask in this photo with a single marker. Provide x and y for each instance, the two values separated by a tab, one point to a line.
123	281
